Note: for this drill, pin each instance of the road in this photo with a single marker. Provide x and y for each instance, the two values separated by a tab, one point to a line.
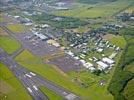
33	81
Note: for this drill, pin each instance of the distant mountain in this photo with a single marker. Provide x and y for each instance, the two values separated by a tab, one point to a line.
94	1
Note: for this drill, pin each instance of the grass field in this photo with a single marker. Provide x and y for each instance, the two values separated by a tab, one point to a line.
116	40
129	90
9	44
10	86
94	11
50	94
16	28
35	64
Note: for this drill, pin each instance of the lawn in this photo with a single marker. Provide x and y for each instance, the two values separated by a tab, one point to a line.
9	44
50	94
10	86
129	90
116	40
35	64
94	11
16	28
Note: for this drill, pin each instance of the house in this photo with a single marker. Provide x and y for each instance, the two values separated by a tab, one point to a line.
16	17
117	49
82	56
99	50
95	59
45	26
28	24
90	59
77	58
82	61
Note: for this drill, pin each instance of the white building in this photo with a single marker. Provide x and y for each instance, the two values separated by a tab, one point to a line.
41	36
102	65
108	60
91	69
99	50
70	53
88	65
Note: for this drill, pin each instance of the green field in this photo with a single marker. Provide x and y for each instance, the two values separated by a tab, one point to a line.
96	10
50	94
16	28
9	44
35	64
10	87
